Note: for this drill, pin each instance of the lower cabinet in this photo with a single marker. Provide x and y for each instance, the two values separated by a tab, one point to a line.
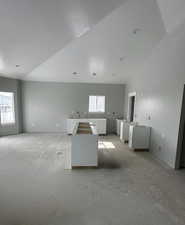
118	126
84	150
139	137
124	131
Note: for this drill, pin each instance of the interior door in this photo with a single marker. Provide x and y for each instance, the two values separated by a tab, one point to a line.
180	159
131	106
132	109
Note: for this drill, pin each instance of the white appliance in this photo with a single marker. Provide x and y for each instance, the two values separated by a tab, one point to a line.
124	130
101	124
139	137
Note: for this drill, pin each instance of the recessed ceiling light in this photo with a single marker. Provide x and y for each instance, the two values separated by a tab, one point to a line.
94	74
136	30
17	65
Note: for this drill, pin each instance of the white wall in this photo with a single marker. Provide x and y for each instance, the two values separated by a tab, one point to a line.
159	90
47	105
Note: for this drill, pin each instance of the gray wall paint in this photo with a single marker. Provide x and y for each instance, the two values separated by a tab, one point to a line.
46	106
11	85
159	90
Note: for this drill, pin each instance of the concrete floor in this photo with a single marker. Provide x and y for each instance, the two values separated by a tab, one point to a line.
127	189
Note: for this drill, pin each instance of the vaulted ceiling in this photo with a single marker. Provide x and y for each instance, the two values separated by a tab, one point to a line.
113	49
173	13
99	41
33	30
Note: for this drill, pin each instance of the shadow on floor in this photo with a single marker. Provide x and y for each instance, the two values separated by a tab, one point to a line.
108	161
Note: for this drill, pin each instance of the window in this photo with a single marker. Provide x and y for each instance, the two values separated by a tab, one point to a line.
7	111
97	104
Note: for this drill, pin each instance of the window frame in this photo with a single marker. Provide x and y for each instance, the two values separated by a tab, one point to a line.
14	113
97	112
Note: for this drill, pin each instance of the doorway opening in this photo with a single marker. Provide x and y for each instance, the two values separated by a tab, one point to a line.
131	107
180	159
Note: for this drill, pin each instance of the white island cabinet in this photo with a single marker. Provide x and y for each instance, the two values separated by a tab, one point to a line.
84	147
101	124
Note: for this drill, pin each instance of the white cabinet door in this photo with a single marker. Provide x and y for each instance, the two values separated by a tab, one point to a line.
69	126
118	126
102	126
139	137
96	123
124	131
131	137
84	150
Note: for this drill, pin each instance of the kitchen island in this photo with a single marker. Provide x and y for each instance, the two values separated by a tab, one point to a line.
100	123
84	146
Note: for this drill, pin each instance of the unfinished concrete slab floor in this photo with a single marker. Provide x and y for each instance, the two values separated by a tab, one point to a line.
127	189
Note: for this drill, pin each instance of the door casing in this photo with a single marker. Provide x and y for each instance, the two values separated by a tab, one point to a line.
181	136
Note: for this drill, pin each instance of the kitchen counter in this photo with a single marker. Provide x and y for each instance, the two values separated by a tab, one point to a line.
100	123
